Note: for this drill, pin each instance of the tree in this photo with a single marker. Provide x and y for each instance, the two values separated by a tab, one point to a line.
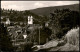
5	40
64	20
44	32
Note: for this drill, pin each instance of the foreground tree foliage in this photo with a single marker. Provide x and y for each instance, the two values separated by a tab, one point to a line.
64	20
5	40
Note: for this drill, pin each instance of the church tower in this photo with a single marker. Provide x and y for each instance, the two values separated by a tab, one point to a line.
30	20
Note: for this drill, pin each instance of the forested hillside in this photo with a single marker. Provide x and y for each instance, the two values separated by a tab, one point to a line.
21	16
48	10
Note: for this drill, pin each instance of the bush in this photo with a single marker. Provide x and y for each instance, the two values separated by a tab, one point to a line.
27	47
72	36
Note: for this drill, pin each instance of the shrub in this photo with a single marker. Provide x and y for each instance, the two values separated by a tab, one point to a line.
72	36
72	41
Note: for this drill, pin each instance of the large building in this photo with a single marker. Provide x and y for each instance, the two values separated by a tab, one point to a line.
30	19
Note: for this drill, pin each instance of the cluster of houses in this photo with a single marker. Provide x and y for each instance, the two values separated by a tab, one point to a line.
17	33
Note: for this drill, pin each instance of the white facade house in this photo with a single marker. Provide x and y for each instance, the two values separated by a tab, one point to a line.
25	34
47	24
30	19
8	21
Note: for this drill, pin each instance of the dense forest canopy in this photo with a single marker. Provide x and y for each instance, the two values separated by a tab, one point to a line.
64	20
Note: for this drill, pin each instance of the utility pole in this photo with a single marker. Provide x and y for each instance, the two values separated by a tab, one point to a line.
39	35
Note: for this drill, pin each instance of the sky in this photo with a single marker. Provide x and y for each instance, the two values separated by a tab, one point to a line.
27	5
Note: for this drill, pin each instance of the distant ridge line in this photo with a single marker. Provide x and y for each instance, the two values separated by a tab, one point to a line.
47	10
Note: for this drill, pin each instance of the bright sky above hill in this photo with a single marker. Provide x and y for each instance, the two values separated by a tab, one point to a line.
27	5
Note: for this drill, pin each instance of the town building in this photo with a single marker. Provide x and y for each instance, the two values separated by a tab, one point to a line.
30	20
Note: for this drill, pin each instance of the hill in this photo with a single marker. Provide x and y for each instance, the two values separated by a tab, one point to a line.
47	10
39	14
20	16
